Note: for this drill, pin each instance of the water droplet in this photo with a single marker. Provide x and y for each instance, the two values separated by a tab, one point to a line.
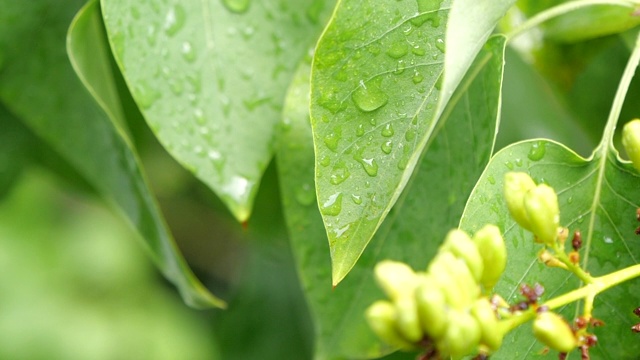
387	146
509	165
374	49
340	174
340	231
151	35
187	52
331	140
237	6
305	194
145	95
491	180
537	151
417	50
440	45
400	66
357	199
519	162
199	115
398	50
410	135
174	21
608	240
417	78
248	32
333	205
570	200
217	159
325	161
387	131
360	130
369	98
238	188
369	165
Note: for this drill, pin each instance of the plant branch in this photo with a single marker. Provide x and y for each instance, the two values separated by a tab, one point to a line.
563	9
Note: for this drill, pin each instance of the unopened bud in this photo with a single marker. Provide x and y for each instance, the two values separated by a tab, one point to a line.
460	245
541	205
516	185
432	308
395	278
381	317
551	329
407	318
491	335
493	252
631	141
462	336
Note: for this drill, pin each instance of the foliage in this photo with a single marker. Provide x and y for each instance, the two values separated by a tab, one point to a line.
339	133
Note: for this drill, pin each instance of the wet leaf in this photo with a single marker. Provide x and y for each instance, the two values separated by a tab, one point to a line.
210	77
373	96
599	197
33	75
430	206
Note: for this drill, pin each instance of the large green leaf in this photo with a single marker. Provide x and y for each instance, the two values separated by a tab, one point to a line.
598	196
431	205
39	86
373	97
210	77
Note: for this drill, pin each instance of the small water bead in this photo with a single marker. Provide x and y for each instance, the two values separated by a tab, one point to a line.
400	66
417	78
387	146
340	231
410	135
398	50
491	180
340	174
325	161
237	6
440	45
145	95
188	52
360	130
509	165
333	205
357	199
417	50
331	140
369	98
387	131
369	165
537	151
175	19
519	162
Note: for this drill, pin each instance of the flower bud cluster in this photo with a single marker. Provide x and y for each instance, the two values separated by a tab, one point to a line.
631	141
534	207
444	306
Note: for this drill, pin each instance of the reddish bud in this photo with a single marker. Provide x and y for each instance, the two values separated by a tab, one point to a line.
637	311
584	352
590	340
576	242
596	322
636	328
574	257
581	322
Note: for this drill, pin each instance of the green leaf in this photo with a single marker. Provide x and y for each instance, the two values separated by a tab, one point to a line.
210	77
373	97
470	24
598	196
39	86
430	205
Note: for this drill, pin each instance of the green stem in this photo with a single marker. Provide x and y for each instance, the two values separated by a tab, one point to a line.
577	270
563	9
589	292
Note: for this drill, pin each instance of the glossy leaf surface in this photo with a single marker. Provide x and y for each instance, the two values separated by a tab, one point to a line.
373	96
210	77
415	227
78	129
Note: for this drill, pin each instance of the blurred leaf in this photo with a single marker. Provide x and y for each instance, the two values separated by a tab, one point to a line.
15	150
64	297
598	196
431	204
210	78
373	97
38	84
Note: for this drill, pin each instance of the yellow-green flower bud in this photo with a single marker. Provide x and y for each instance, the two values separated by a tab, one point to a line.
432	308
493	252
381	317
631	141
551	329
491	335
541	204
454	279
407	322
462	336
395	278
516	185
461	245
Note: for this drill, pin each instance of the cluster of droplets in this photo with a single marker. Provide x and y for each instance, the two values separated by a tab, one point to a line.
443	311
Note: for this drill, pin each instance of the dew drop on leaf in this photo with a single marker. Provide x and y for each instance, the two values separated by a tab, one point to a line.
360	130
509	165
398	50
325	161
440	45
387	146
537	151
331	140
188	52
145	95
238	188
357	199
491	180
175	19
237	6
340	174
387	131
333	205
369	165
369	98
